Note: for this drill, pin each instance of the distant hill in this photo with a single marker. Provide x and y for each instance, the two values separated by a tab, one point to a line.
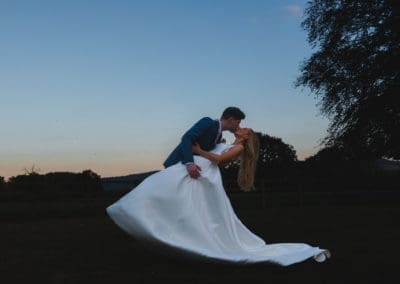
124	183
388	165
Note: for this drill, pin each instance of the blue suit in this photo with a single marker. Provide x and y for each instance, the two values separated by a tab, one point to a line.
204	132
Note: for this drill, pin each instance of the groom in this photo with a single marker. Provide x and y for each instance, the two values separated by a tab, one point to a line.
207	133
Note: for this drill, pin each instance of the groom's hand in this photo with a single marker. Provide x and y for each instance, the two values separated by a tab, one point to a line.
193	170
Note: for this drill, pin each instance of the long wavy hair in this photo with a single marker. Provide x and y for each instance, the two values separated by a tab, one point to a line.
248	162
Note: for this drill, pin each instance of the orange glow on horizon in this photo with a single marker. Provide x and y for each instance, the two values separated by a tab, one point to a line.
104	168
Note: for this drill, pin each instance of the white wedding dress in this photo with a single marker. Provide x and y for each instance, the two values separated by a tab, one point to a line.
194	217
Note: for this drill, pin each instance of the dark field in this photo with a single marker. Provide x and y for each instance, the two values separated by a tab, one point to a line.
74	241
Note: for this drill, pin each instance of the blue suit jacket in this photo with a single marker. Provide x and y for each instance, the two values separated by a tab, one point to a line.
204	132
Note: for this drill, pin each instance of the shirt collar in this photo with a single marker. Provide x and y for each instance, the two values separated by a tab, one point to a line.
219	125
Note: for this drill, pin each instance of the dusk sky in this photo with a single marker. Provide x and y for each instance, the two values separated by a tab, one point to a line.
112	85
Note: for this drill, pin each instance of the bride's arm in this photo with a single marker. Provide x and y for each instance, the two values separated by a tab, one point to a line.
231	154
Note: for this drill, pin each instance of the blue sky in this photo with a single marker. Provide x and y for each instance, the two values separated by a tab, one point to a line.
112	85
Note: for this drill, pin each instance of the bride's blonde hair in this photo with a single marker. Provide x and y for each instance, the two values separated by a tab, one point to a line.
248	162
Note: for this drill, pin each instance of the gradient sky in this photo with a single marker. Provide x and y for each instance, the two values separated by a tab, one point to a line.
112	85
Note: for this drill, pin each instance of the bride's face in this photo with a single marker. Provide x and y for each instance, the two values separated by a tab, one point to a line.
242	133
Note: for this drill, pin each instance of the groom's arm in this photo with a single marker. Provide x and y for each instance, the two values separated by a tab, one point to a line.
191	136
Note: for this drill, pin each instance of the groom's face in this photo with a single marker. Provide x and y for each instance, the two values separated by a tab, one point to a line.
233	124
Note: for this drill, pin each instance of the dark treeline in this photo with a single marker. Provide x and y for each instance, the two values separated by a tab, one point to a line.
51	185
338	170
2	183
276	161
332	169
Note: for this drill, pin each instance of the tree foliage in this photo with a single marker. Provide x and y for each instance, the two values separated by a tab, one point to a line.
56	183
276	158
336	169
354	72
274	152
2	183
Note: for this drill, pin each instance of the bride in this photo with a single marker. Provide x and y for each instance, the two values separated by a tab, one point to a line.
194	218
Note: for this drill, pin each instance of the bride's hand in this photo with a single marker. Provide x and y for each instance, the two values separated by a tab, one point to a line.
196	148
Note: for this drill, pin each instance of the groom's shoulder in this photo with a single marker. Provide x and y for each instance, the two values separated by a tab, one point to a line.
205	120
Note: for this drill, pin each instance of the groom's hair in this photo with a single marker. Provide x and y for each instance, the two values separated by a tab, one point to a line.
234	112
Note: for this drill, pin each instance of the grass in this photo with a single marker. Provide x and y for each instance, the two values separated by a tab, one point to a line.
74	241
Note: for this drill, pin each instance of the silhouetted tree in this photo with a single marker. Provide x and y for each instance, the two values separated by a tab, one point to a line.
336	169
331	163
276	161
355	73
2	183
92	181
57	183
32	183
275	153
32	170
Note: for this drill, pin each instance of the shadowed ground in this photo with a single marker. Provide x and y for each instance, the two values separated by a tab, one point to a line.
74	241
